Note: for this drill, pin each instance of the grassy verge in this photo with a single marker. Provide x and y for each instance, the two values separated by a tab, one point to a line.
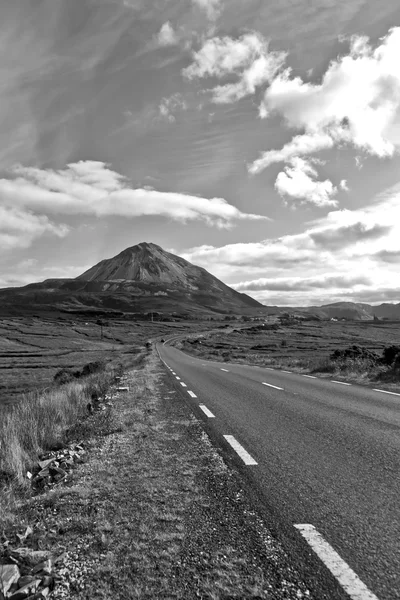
42	422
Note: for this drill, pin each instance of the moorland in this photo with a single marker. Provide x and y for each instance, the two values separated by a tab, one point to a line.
33	349
350	349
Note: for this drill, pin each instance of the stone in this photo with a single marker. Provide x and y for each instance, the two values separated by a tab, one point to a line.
123	389
31	557
44	567
24	580
45	463
26	591
9	574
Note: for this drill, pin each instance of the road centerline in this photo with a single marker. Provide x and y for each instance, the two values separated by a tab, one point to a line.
272	386
226	370
183	384
192	394
340	382
347	578
309	376
386	392
238	448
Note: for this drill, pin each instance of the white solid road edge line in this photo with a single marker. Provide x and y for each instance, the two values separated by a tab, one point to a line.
349	581
386	392
207	412
238	448
183	384
192	394
273	386
341	382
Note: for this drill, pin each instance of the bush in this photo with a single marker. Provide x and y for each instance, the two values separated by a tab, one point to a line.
92	367
389	354
64	376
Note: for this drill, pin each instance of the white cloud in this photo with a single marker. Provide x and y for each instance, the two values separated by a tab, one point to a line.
340	255
167	35
92	188
300	145
343	185
356	103
298	180
247	57
19	228
169	106
212	8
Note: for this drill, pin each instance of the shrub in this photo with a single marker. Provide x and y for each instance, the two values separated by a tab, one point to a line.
92	367
64	376
389	354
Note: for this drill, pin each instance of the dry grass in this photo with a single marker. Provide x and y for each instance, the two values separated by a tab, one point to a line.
40	422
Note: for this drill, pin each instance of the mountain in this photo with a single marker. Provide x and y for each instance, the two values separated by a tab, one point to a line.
141	279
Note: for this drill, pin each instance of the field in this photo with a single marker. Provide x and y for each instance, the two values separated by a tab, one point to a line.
304	346
33	350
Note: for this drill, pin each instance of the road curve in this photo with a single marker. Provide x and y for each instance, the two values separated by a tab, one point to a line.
324	454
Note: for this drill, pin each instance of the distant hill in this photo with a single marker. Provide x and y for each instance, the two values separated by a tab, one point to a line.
143	278
355	311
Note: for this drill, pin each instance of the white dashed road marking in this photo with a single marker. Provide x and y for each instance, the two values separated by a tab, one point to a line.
285	371
207	412
238	448
192	394
310	376
273	386
386	392
349	581
226	370
341	382
178	378
183	384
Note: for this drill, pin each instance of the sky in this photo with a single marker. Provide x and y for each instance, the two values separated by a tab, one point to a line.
257	139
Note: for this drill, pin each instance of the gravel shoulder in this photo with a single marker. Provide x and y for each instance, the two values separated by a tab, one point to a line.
155	512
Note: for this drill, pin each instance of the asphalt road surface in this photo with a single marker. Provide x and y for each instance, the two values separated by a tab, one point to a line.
323	456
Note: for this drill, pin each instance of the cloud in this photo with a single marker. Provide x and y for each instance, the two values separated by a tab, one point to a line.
357	103
19	228
299	181
339	255
93	188
212	8
299	146
170	105
338	282
167	35
339	237
248	58
389	256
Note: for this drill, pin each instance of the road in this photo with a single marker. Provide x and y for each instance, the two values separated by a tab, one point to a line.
326	454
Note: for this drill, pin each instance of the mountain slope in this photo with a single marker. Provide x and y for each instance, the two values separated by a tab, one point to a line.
142	278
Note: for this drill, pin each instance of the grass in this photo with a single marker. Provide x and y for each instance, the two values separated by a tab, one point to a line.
40	422
33	350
